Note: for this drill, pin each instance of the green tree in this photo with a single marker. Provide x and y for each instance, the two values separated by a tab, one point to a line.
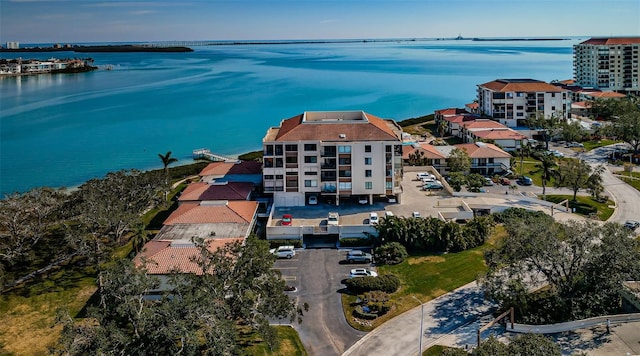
548	126
626	121
166	161
546	165
459	161
576	174
417	158
474	182
457	180
391	253
533	345
442	127
491	347
572	131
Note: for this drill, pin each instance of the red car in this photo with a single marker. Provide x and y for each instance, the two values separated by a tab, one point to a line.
505	181
287	219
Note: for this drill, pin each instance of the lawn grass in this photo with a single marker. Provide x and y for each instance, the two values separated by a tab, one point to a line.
290	343
585	206
427	277
590	145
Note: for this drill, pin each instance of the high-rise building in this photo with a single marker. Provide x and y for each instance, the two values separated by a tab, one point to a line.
332	155
513	101
13	45
608	64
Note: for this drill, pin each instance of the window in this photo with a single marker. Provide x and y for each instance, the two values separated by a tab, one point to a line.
310	147
311	183
268	176
279	176
367	148
344	149
278	162
368	185
268	150
344	185
311	173
278	149
291	148
368	173
310	159
292	160
367	161
268	162
387	149
389	185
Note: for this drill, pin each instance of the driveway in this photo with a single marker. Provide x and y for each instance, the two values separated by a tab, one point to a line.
317	274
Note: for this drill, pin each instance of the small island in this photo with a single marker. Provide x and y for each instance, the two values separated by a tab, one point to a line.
16	67
102	48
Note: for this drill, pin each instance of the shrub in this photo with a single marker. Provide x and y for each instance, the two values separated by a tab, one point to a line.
388	283
285	242
391	253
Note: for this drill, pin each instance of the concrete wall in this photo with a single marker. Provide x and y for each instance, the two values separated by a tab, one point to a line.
572	325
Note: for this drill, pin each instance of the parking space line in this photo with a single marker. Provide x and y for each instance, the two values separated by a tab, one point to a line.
284	267
289	278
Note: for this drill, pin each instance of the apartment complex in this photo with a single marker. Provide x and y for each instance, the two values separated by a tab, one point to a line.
332	155
608	64
513	101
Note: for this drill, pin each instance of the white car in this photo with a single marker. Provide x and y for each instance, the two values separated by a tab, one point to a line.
362	272
373	218
423	175
416	214
284	251
363	200
333	219
313	200
388	213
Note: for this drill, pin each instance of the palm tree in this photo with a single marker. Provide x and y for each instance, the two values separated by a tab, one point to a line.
139	237
166	161
547	162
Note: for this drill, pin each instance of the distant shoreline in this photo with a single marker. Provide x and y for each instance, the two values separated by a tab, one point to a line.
95	49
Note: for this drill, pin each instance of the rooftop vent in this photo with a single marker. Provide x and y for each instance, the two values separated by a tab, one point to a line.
481	144
342	136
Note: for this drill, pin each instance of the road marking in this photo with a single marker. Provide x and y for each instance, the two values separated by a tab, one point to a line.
284	267
289	278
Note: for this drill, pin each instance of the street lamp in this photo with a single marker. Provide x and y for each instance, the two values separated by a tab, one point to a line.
421	324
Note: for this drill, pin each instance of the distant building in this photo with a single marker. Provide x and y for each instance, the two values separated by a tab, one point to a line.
332	155
13	45
513	101
608	64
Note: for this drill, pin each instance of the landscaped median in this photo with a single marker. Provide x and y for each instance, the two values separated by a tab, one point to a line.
425	276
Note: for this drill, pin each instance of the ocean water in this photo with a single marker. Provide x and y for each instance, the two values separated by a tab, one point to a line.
61	130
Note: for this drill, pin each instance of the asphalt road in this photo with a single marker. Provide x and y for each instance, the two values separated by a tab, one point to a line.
318	275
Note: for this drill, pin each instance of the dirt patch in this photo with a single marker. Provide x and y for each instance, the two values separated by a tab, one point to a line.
423	259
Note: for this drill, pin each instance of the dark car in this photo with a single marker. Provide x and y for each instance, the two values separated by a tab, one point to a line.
525	181
357	256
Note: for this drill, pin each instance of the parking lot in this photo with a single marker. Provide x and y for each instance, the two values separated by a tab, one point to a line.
317	275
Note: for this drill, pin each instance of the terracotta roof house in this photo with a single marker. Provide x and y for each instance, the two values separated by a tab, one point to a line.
332	154
472	108
433	157
202	191
484	129
513	101
238	171
486	158
218	219
608	63
163	257
454	123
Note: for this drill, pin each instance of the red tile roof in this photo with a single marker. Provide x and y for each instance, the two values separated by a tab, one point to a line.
461	118
240	211
372	128
216	191
483	150
581	105
604	94
612	41
499	134
225	168
482	124
429	151
521	85
450	111
472	106
164	257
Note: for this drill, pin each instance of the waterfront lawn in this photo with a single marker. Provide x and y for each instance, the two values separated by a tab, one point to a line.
427	277
590	145
585	206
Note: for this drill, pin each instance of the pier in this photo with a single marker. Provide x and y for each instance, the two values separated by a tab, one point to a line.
205	153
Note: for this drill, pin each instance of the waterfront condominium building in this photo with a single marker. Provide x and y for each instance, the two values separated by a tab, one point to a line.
513	101
328	156
608	64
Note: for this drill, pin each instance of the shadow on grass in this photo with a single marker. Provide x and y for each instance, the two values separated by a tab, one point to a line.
161	216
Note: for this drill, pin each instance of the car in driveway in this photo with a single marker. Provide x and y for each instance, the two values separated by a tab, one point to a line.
313	200
358	256
362	272
373	218
284	251
416	214
631	224
333	219
287	219
363	200
488	182
505	181
432	186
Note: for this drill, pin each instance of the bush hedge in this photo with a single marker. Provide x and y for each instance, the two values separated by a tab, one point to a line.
297	243
388	283
356	242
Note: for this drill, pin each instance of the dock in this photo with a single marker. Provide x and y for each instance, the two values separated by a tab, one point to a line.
205	153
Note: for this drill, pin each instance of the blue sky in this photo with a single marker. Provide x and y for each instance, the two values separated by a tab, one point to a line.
72	21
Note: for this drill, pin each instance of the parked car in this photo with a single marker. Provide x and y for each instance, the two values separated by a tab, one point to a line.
362	272
388	213
287	219
363	200
313	200
432	186
423	175
488	182
416	214
505	181
333	218
284	251
631	224
373	218
556	153
357	256
574	144
524	180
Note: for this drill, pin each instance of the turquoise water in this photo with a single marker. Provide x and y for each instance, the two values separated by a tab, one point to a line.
64	129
